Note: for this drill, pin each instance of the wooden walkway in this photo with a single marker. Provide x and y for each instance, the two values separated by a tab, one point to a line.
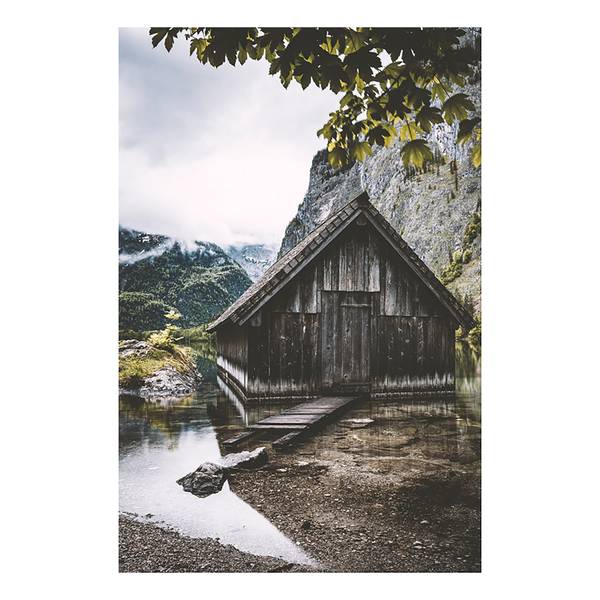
296	420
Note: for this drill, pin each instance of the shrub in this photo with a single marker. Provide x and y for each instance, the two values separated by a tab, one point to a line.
169	336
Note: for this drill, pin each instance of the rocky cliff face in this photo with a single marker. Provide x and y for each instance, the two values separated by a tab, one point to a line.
435	210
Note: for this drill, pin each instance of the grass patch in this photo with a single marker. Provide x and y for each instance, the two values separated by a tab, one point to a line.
134	369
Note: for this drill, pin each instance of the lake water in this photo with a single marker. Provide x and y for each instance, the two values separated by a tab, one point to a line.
161	442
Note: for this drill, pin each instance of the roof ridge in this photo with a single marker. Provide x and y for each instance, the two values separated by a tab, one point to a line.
280	263
278	272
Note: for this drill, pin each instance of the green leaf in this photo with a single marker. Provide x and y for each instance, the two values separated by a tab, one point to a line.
355	41
274	67
465	129
337	157
169	41
457	107
361	150
363	62
381	134
346	98
418	97
438	91
392	133
476	155
427	116
416	152
158	33
409	131
231	56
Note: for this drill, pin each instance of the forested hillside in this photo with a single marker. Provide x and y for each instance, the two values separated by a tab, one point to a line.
157	273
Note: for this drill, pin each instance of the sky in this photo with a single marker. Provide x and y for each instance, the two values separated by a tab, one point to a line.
220	155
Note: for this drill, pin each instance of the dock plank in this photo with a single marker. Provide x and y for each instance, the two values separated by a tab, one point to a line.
296	419
265	427
302	417
287	439
240	437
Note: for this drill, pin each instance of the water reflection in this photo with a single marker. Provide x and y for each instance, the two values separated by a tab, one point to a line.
160	443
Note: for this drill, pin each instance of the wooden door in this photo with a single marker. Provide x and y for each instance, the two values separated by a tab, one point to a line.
345	340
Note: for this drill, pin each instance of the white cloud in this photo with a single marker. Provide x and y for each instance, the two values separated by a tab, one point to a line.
221	155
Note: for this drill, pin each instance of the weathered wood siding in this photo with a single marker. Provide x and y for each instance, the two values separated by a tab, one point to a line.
285	359
232	354
357	314
413	353
346	337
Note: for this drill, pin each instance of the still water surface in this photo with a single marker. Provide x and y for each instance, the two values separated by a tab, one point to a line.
161	442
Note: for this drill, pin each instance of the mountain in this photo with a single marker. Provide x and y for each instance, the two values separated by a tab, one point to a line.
254	258
156	272
437	210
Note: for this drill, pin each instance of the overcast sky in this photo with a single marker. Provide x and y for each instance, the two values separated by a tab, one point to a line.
220	155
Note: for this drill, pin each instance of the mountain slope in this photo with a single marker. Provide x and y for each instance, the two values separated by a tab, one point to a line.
254	258
199	280
436	210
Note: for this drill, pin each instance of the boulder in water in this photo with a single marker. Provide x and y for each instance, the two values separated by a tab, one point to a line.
245	460
207	479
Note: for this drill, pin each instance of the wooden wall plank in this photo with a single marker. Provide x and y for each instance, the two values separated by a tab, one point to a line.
304	338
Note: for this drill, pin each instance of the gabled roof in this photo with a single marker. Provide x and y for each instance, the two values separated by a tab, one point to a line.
278	274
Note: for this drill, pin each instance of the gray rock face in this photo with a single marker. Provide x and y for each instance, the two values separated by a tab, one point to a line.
133	348
207	479
431	210
245	460
168	381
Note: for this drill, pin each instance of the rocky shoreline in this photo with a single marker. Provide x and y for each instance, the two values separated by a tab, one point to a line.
348	519
162	374
148	548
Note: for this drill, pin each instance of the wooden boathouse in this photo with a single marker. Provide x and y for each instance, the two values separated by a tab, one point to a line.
350	309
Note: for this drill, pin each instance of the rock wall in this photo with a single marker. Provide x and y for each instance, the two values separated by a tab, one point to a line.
436	210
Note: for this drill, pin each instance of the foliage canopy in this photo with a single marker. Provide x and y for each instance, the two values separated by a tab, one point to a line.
392	81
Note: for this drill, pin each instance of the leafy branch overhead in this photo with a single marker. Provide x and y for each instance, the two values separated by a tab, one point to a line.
392	82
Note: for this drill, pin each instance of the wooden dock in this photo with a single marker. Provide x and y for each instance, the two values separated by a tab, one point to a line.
297	420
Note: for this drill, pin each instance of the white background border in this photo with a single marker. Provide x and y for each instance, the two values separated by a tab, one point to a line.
59	302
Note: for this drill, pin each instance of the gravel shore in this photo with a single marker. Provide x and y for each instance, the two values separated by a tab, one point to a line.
349	522
389	488
147	548
352	520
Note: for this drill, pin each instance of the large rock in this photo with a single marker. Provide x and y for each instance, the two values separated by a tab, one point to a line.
136	348
245	460
207	479
168	381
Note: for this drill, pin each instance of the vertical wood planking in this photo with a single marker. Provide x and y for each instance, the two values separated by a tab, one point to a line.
307	340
